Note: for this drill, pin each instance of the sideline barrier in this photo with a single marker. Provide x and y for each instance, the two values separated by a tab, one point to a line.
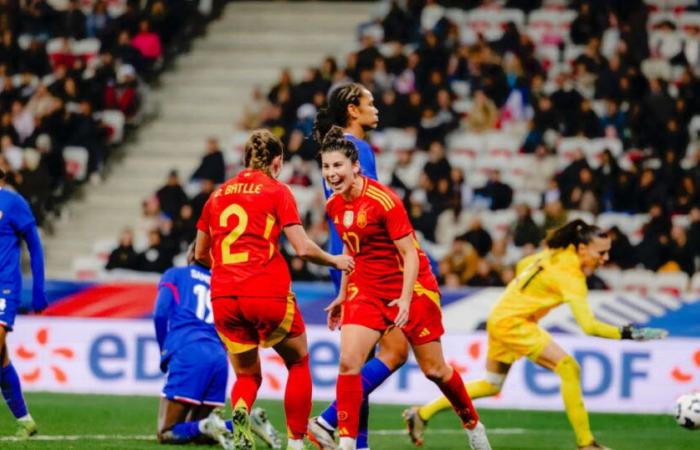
108	356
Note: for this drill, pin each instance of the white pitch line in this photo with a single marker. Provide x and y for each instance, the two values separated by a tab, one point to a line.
83	437
152	437
399	432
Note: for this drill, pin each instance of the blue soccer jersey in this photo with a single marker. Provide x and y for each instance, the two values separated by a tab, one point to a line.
183	312
16	223
368	167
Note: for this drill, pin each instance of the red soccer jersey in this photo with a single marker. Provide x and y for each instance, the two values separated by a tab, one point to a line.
244	218
368	226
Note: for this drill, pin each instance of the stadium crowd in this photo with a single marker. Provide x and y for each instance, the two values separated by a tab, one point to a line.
73	80
555	77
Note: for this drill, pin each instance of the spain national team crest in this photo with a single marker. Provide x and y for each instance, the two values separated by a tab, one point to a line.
362	219
348	218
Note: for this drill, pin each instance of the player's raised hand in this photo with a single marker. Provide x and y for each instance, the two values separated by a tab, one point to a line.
344	263
404	305
334	310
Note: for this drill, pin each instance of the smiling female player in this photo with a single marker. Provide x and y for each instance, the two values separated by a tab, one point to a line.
351	107
392	286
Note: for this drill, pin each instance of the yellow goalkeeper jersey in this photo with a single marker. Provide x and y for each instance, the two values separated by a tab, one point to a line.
546	280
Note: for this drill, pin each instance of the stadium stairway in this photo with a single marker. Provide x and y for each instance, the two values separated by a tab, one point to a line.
203	96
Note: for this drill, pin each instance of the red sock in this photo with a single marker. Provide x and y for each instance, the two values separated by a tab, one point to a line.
297	397
245	390
349	397
457	394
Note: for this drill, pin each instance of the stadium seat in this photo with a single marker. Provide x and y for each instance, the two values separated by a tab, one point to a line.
694	285
115	120
638	281
612	277
671	283
76	159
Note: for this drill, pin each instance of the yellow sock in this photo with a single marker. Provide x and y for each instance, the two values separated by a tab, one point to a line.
570	374
476	389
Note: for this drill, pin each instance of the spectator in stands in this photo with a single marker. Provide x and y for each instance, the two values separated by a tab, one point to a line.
687	196
127	53
584	195
498	194
72	21
680	252
184	228
86	132
459	265
206	187
212	165
148	44
485	276
525	230
172	196
123	95
555	216
98	23
124	256
33	183
622	254
586	25
478	237
483	114
156	258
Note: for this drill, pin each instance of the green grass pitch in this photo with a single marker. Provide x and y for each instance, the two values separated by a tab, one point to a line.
118	422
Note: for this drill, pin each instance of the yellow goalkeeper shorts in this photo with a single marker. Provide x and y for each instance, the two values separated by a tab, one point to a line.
513	337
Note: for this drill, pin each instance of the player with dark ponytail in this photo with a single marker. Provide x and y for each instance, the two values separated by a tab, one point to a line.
544	280
349	114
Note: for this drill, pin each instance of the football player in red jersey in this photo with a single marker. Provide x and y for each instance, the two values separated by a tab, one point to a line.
391	286
238	234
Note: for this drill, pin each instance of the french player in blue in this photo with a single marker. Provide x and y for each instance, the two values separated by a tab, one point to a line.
351	106
17	222
195	362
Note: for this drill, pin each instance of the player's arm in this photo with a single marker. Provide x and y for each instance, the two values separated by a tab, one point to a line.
409	254
202	248
308	250
30	234
335	307
161	311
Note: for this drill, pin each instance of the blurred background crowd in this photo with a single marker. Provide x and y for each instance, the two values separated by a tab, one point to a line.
498	121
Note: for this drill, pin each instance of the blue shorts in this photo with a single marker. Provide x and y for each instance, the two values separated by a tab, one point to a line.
8	311
197	374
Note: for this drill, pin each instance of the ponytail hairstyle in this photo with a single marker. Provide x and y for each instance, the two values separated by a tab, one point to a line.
574	233
335	141
261	148
336	111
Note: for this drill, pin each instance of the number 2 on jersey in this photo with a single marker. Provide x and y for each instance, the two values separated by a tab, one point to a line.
204	310
229	257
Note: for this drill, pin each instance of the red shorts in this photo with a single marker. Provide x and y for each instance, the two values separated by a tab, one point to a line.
244	323
424	317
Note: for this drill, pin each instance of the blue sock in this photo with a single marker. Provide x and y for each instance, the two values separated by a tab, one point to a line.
229	425
363	434
12	391
186	431
373	374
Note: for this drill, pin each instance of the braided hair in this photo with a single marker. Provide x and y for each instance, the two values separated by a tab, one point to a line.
262	147
336	111
335	141
574	233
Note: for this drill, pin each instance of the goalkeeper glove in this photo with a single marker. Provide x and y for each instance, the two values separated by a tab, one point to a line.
643	334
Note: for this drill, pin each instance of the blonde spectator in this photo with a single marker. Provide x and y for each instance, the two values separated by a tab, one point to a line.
483	114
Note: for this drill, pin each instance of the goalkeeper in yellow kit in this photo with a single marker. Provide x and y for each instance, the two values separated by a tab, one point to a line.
544	280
